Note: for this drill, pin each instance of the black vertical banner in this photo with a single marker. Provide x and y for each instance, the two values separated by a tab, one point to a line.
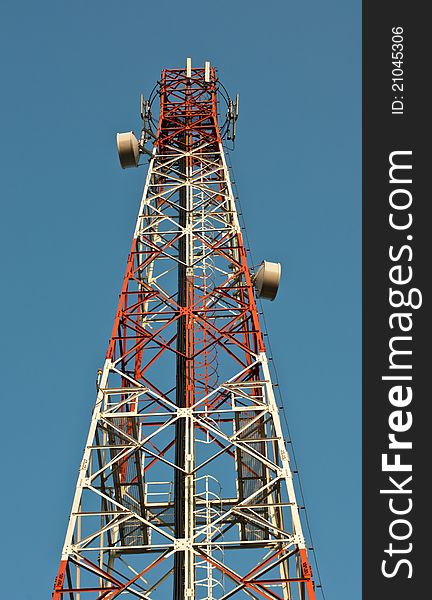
397	254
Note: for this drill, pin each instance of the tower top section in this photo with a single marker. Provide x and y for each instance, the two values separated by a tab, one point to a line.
204	73
190	98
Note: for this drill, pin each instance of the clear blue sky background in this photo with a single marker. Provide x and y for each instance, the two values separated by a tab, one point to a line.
71	77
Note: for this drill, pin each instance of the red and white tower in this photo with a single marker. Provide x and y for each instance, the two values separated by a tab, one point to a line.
185	489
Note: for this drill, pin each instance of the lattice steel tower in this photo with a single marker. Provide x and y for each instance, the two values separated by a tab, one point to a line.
185	489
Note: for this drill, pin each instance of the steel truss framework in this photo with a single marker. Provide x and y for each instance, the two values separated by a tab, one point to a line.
185	488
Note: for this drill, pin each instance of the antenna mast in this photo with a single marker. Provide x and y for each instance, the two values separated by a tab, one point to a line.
185	489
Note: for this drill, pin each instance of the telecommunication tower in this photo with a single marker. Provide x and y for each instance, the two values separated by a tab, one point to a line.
185	489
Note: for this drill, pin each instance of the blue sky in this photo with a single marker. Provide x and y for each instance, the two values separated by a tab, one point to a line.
71	77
